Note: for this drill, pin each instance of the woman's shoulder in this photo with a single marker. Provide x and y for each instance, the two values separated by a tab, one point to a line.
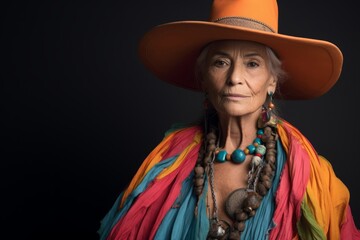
292	138
179	127
287	129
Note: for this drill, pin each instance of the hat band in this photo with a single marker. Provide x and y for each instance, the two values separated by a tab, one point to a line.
244	22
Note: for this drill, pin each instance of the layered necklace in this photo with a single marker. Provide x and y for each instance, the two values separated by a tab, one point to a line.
242	203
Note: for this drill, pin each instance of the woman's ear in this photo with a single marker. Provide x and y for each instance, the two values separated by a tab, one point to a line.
272	84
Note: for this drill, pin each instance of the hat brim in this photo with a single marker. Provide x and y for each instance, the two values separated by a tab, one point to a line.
170	51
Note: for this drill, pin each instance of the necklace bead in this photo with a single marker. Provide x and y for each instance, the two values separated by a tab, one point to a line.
221	156
239	155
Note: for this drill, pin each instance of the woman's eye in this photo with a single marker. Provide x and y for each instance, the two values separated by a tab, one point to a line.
220	63
252	64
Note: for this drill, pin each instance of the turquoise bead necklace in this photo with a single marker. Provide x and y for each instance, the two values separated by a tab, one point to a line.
238	156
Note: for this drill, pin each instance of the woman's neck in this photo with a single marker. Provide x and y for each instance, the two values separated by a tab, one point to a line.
237	132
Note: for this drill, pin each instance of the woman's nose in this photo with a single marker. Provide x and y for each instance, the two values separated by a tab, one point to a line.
235	75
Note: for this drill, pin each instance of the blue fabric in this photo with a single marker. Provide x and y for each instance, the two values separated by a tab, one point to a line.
258	227
108	220
176	223
113	216
200	224
181	222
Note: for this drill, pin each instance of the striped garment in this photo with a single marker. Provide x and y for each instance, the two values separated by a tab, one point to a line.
306	200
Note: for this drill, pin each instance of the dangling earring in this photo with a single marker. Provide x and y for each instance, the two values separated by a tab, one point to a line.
267	117
271	106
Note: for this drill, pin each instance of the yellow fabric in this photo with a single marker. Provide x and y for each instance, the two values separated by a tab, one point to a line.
181	157
153	158
334	197
326	196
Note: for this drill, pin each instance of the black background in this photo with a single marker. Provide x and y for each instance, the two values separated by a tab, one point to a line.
79	112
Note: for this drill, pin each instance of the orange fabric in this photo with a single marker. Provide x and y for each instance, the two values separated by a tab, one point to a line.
182	156
263	11
154	157
326	196
292	186
334	199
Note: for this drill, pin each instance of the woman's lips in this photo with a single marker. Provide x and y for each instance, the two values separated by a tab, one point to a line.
234	97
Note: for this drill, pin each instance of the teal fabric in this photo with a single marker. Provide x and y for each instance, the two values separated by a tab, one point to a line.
113	216
258	227
176	223
177	126
181	222
108	221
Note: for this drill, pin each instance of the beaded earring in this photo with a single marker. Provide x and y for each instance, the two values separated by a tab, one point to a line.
271	105
268	117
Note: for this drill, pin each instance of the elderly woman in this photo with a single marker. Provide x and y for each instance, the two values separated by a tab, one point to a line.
242	172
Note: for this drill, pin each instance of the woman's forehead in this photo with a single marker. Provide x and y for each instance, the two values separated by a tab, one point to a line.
228	46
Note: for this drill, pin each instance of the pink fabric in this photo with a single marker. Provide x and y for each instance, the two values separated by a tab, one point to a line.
348	228
291	189
144	217
181	141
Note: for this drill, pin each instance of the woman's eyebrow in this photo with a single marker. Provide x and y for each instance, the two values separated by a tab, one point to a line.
252	54
221	53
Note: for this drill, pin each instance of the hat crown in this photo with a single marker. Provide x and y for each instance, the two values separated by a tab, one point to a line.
171	50
264	12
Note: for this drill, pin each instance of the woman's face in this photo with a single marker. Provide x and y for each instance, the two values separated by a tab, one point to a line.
236	77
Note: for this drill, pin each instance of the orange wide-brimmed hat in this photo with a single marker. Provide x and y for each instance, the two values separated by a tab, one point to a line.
170	50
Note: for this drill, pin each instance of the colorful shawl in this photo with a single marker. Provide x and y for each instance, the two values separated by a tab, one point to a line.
306	200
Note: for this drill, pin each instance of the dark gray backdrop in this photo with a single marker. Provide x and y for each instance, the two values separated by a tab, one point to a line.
79	112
